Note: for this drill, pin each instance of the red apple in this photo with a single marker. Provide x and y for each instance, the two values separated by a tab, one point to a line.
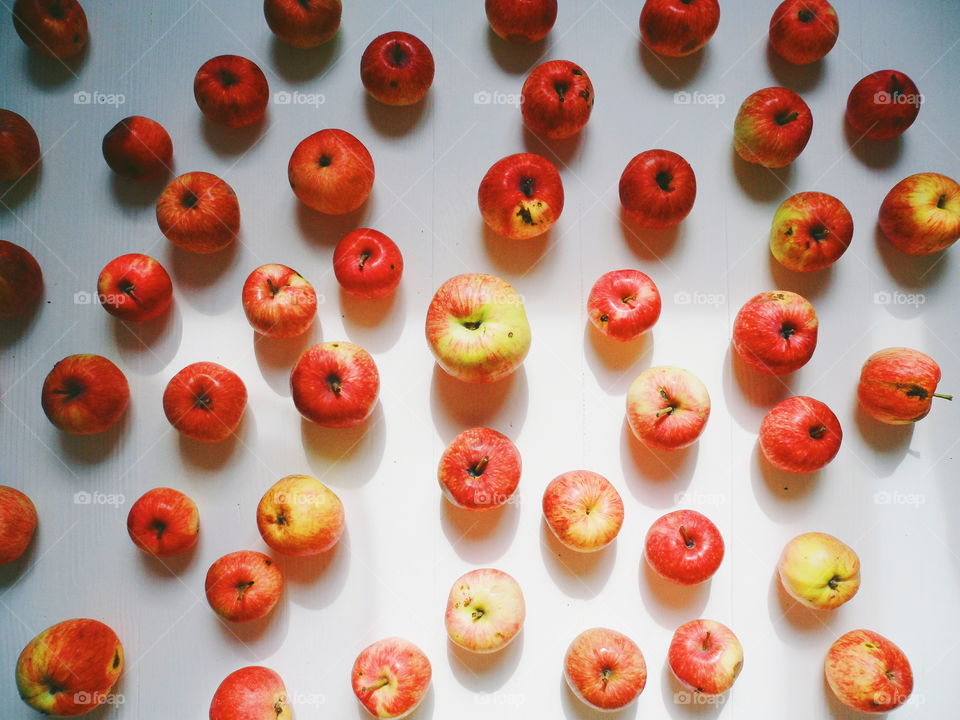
800	435
243	586
205	402
521	196
921	214
897	385
883	105
19	146
479	470
231	90
705	656
390	678
772	127
134	287
397	68
667	408
657	189
278	302
199	212
335	384
57	28
678	27
684	547
556	99
138	147
803	31
810	231
303	23
21	281
85	394
583	509
251	693
163	522
624	304
300	516
867	672
18	522
604	669
367	264
331	172
776	332
521	21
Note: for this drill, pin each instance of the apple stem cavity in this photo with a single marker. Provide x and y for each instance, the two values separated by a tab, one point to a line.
818	432
819	233
72	389
336	386
472	325
527	184
787	330
242	588
785	118
942	396
189	199
561	89
687	540
324	161
476	470
159	527
942	202
805	15
833	582
398	56
663	180
605	675
477	614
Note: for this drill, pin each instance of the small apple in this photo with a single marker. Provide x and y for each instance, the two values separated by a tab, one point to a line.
21	281
772	127
684	547
521	21
479	470
205	402
390	678
624	304
583	509
521	196
667	408
883	105
921	214
19	146
897	385
164	522
604	669
335	384
231	90
138	147
397	68
776	332
18	522
251	693
819	571
278	302
485	611
804	31
85	394
675	28
331	172
300	516
705	656
556	99
800	435
868	673
57	28
810	231
367	264
243	586
303	24
657	189
134	287
199	212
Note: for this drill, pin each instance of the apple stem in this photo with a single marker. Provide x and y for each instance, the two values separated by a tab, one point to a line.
687	540
818	432
665	411
382	682
476	470
706	642
605	675
943	397
364	256
335	385
787	118
628	299
242	588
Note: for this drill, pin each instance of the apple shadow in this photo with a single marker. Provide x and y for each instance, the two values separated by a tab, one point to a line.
556	151
456	405
683	703
212	456
14	192
889	444
374	323
839	711
514	58
299	65
670	604
12	330
394	121
484	672
750	393
171	566
789	616
668	72
809	284
263	637
480	537
575	709
137	194
328	229
516	257
149	346
16	570
345	456
649	244
916	272
875	154
796	77
576	574
761	183
277	356
656	478
783	496
226	141
195	271
316	582
615	364
94	449
48	73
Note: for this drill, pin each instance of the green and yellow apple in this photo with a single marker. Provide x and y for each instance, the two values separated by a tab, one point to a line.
819	571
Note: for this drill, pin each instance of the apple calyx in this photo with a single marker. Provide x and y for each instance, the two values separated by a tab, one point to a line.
833	582
159	527
398	56
278	706
818	431
785	118
227	78
476	470
687	539
477	614
242	588
335	384
527	184
819	233
605	675
787	330
664	179
325	161
189	199
472	324
805	15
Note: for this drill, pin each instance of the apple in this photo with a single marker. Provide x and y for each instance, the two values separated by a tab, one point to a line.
278	302
134	287
604	669
335	384
18	522
331	172
164	522
300	516
657	189
485	611
521	21
390	677
19	146
479	470
667	408
521	196
205	402
776	332
138	147
867	672
804	31
883	105
57	28
897	385
810	231
199	212
21	281
772	127
675	28
921	214
243	586
477	328
684	547
624	304
85	394
303	23
69	668
231	90
397	68
367	264
556	99
251	693
705	657
800	435
583	509
819	571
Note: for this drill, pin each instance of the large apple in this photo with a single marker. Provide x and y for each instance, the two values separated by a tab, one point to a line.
521	196
479	470
705	657
18	522
810	231
583	509
667	407
675	28
243	586
138	147
485	610
331	172
883	105
199	212
803	31
231	90
556	99
278	302
163	522
800	435
57	28
819	571
624	304
251	693
134	287
658	189
684	547
367	264
521	21
205	401
21	281
391	677
85	394
897	385
605	669
772	127
776	332
19	146
335	384
921	214
397	68
303	23
300	516
868	673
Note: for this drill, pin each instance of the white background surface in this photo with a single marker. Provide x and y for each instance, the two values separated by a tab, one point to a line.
404	546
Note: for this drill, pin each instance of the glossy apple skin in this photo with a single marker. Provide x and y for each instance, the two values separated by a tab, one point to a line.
163	522
79	659
658	189
303	24
231	90
921	214
278	301
390	677
300	516
243	586
367	264
800	435
897	385
477	328
138	147
604	669
819	571
199	212
776	332
624	304
335	384
583	510
675	28
772	127
521	196
397	68
18	523
485	610
804	31
331	172
705	657
868	673
810	231
56	28
684	547
557	98
134	287
19	146
21	281
205	402
85	394
883	105
521	21
667	408
479	470
251	693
